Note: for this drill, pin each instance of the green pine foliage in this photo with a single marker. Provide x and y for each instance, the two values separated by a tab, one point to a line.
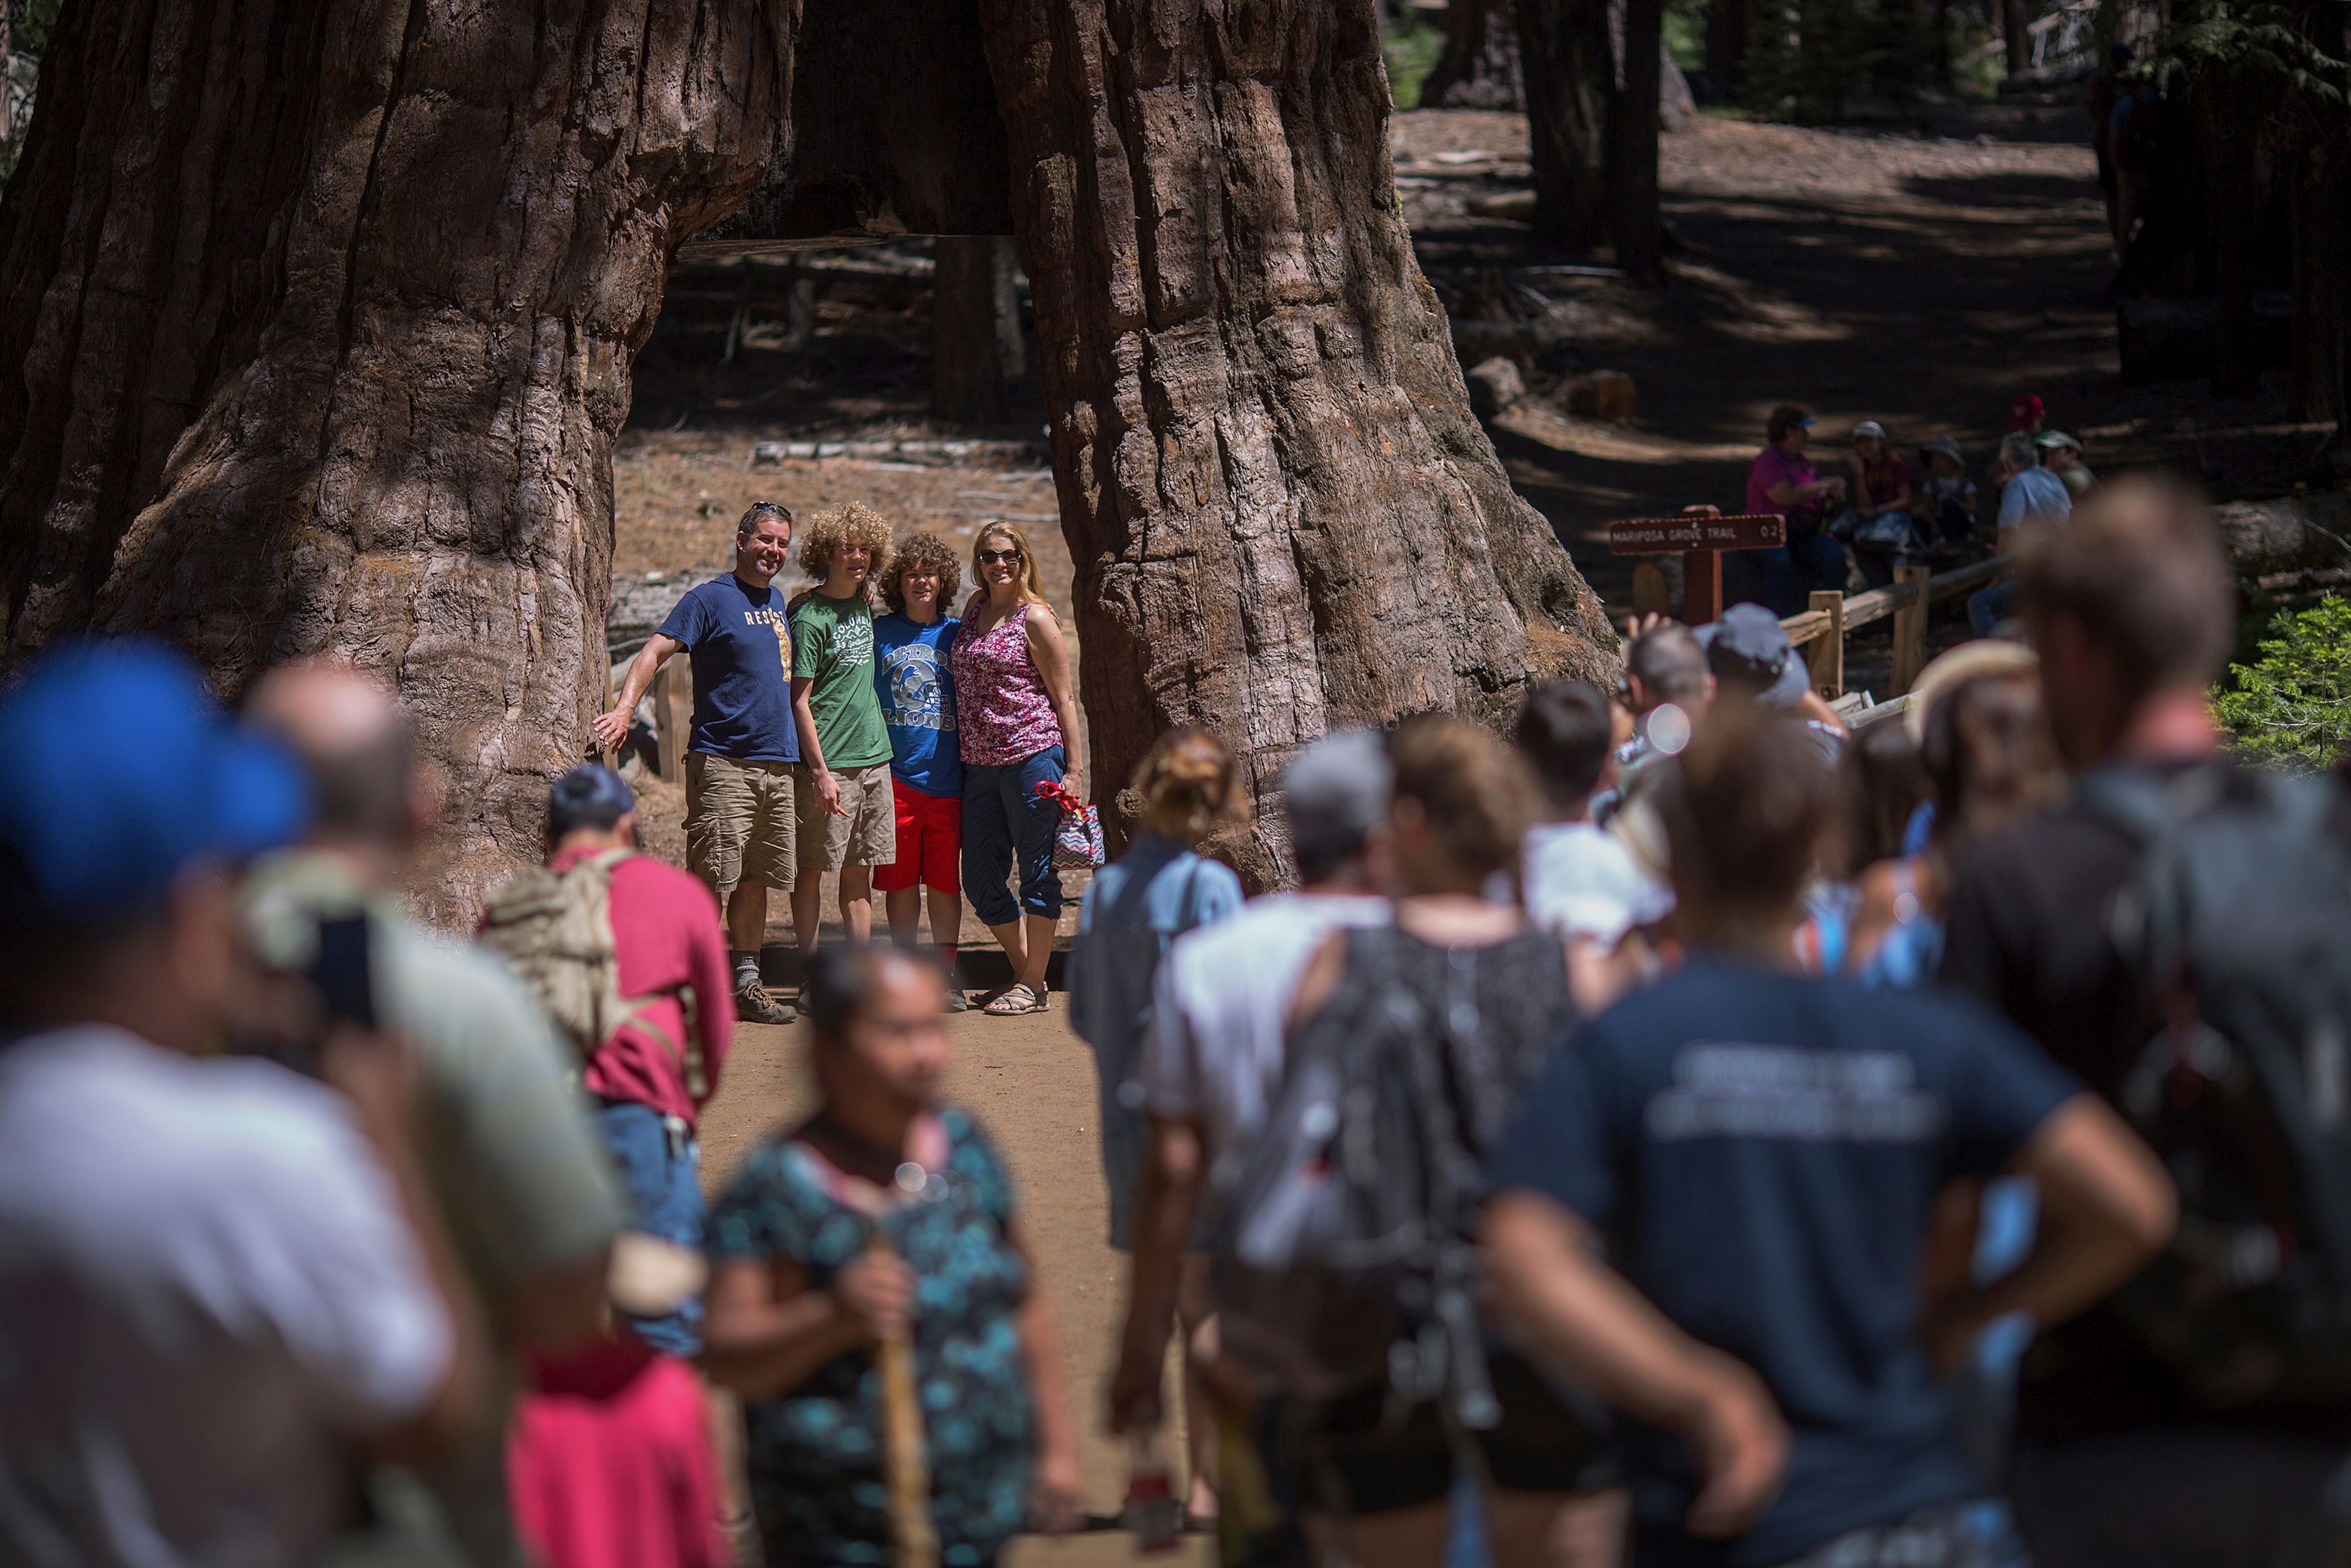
2290	705
1819	61
1414	46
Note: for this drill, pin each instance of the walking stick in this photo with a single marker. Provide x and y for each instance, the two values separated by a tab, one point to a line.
906	1459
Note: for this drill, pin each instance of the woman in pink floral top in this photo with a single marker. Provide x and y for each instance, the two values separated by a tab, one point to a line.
1016	715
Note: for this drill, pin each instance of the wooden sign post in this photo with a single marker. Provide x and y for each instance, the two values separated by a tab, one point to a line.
1700	538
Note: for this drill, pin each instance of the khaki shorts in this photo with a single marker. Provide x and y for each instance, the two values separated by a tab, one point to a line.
739	823
867	836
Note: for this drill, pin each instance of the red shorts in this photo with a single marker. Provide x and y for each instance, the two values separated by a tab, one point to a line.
930	842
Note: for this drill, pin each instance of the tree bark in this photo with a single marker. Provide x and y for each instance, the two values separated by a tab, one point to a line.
1571	77
1479	67
2236	108
1729	23
2317	175
2016	36
1634	223
1283	517
976	348
324	315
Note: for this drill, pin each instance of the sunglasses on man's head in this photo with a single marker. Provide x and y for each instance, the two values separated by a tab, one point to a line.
999	558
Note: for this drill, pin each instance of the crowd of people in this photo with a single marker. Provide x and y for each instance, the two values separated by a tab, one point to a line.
1846	529
1681	1130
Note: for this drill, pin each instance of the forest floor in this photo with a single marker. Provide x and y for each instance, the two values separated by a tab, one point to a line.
1921	277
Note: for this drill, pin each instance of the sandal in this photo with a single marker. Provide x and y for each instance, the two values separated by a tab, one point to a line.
1014	1001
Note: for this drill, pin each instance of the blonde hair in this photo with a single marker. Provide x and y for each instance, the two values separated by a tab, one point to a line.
1186	783
921	552
1029	592
854	523
1479	795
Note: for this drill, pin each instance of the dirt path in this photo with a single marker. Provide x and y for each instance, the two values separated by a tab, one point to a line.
1919	281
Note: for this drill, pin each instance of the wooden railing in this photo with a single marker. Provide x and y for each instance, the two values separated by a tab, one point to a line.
1822	630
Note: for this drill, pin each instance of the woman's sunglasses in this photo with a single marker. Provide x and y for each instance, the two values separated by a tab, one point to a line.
999	558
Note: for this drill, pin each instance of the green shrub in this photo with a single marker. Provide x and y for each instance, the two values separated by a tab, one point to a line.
2291	704
1819	61
1412	47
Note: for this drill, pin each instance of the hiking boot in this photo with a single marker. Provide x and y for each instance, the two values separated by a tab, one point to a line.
755	1003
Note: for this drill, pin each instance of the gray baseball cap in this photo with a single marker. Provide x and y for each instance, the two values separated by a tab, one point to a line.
1749	645
1335	792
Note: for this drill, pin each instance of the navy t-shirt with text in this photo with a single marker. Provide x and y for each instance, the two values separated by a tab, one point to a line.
739	641
1764	1151
913	678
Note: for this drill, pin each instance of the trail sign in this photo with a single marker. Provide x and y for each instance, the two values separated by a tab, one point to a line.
1700	538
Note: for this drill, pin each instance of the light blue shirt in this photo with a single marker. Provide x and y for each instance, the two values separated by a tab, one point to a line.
1137	905
2035	494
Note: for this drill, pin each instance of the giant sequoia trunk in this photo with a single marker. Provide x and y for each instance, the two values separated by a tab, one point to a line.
1571	77
323	312
1479	67
1283	517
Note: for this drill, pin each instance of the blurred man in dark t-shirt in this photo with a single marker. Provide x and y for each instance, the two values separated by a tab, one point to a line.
2132	608
1764	1150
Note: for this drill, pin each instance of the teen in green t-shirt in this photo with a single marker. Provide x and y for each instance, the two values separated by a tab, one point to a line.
848	820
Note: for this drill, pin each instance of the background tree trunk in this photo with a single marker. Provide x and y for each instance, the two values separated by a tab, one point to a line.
1571	78
2236	108
2016	37
975	347
324	315
1633	220
1283	517
1479	67
2317	176
1729	25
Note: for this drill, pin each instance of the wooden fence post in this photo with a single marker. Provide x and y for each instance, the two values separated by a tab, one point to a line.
673	715
1909	626
1826	654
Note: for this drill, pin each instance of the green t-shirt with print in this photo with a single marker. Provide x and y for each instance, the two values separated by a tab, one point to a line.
832	648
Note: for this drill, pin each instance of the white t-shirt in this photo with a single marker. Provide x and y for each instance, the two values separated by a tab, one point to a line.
1578	882
1215	1050
206	1289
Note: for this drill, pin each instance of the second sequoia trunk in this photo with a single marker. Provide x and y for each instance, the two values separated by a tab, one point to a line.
1283	517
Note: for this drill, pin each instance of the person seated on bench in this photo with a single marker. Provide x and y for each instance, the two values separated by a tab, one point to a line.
1945	501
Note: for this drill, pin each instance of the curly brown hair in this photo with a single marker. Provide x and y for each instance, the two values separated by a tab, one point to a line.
1188	786
854	523
921	552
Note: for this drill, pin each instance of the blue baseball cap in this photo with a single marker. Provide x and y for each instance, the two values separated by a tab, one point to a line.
124	773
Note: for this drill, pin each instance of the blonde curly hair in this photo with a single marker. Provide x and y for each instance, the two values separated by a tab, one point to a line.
854	523
924	552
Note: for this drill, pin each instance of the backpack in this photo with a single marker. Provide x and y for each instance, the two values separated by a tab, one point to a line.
556	930
1343	1257
2238	919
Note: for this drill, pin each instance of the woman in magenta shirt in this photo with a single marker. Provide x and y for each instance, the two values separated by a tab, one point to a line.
1783	482
1017	716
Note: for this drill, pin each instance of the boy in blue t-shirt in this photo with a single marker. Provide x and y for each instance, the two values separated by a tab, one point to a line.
912	675
1764	1152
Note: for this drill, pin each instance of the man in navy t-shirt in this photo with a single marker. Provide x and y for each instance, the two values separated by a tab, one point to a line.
1764	1152
737	632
